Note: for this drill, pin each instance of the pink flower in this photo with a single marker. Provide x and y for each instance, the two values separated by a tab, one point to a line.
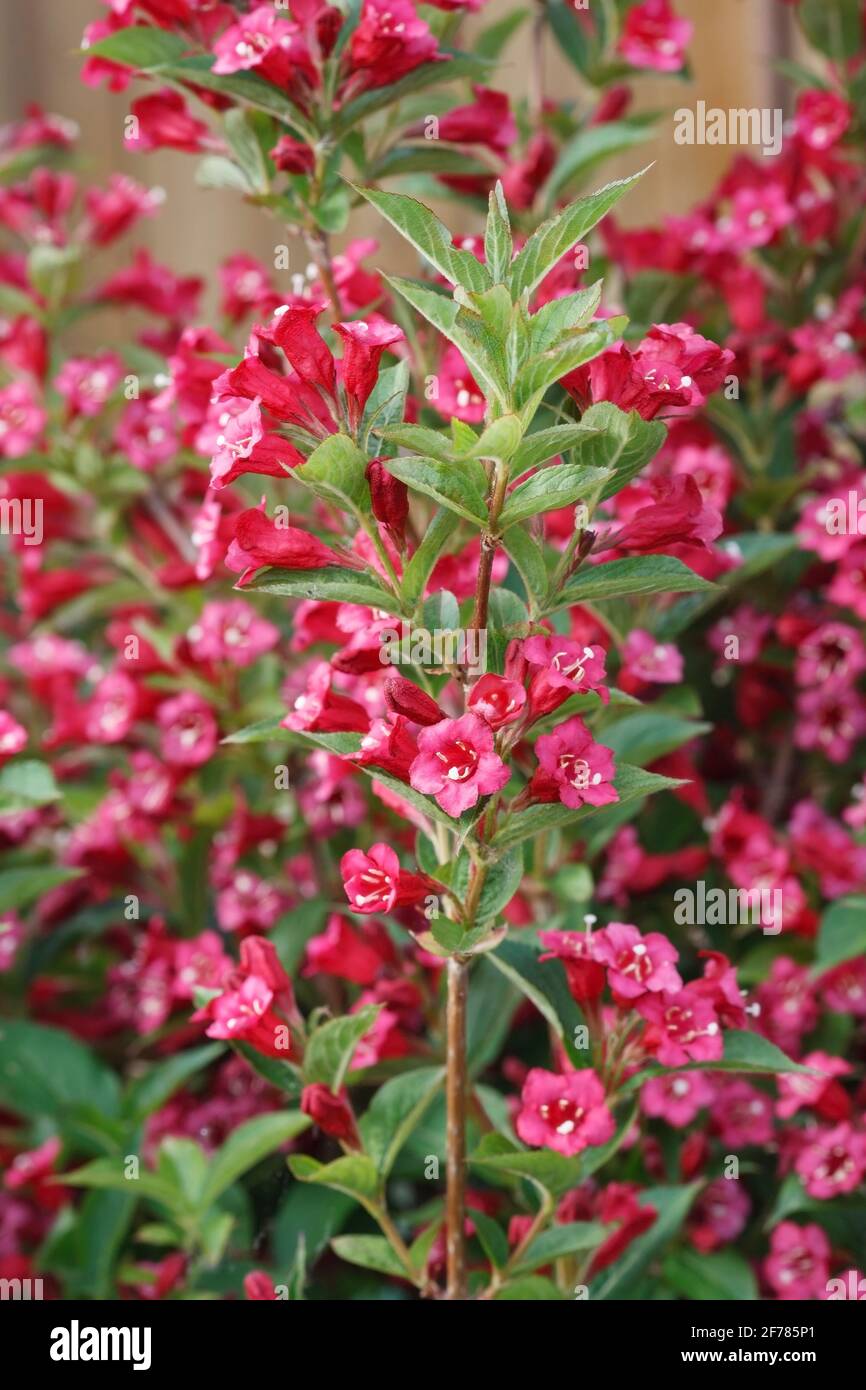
165	122
821	118
579	955
245	1015
798	1264
13	736
259	1286
456	763
655	37
374	882
676	1099
231	630
11	938
637	963
843	988
573	769
351	953
741	1113
22	420
834	1161
189	730
363	345
566	1113
390	41
646	660
497	700
719	1214
563	668
813	1092
681	1028
86	383
459	393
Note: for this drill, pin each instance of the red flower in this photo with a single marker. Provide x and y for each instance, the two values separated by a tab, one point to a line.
374	882
259	542
456	763
363	345
331	1113
572	768
165	122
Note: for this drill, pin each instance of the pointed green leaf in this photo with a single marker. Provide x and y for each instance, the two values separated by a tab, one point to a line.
330	1050
562	232
248	1145
553	487
423	229
460	487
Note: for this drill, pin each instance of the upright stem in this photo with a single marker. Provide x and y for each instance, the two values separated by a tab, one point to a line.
319	249
455	1133
536	65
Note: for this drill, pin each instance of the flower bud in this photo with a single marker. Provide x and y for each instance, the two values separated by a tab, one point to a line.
389	498
402	697
331	1113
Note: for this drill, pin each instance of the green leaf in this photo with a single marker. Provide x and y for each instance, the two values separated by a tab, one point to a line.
248	1145
720	1274
151	1091
107	1174
570	34
47	1073
834	27
183	1165
395	1110
311	1215
21	886
546	444
244	86
440	310
843	932
459	487
558	235
370	1252
104	1220
263	731
561	1240
548	367
624	442
502	882
140	46
499	440
492	40
498	246
743	1052
421	440
333	583
491	1237
25	783
593	144
552	487
331	1048
245	146
532	1289
528	559
636	574
423	230
335	472
282	1075
420	567
354	1174
545	984
630	782
673	1205
457	67
386	404
644	737
551	1171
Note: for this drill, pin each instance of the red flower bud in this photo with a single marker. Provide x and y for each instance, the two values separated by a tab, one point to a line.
259	957
331	1113
402	697
390	500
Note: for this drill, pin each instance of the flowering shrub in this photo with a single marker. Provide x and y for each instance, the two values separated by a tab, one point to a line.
434	865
